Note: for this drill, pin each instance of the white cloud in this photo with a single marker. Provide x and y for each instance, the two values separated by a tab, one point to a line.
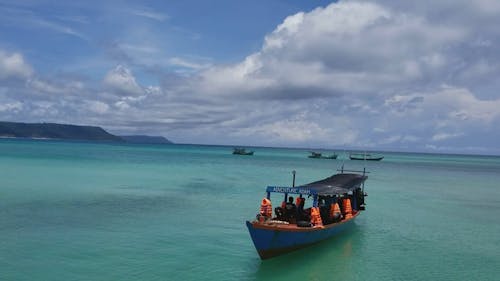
43	86
460	104
445	136
13	66
153	90
410	139
61	86
480	68
140	49
188	64
122	105
288	131
11	107
97	107
121	81
44	109
151	15
36	22
346	47
289	26
390	140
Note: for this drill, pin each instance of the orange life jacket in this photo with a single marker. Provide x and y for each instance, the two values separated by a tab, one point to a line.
346	205
297	201
316	217
266	208
334	209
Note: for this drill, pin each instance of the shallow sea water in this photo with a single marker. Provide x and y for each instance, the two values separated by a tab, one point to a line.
86	211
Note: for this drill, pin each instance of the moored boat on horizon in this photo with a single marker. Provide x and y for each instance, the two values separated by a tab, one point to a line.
314	154
331	156
336	202
318	155
242	151
365	156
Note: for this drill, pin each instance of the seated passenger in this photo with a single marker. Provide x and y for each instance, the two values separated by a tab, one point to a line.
290	210
280	214
302	215
323	210
266	210
335	214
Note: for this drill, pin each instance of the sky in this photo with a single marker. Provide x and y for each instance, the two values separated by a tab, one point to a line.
372	75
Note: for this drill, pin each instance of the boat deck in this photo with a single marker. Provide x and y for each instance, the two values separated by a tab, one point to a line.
283	226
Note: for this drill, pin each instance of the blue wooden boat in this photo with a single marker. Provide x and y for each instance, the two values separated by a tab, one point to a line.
275	236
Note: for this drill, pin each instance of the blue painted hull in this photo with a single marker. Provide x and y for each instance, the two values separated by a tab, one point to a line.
271	241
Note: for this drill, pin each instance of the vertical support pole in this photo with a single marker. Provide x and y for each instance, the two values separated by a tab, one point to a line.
354	201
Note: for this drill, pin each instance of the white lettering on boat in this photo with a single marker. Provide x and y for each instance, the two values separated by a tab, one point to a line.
291	190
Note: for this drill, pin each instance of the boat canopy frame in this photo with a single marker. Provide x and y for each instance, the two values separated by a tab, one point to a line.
334	185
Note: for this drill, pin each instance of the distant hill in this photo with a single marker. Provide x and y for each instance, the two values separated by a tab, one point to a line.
146	139
70	132
55	131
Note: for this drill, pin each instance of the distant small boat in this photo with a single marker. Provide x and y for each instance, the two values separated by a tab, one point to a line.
365	156
333	156
318	155
242	151
314	155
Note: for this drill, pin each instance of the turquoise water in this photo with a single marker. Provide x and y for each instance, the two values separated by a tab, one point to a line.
84	211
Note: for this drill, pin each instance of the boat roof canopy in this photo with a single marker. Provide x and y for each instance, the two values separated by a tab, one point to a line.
334	185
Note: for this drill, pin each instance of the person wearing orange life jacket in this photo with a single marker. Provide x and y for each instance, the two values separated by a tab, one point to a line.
301	213
335	214
316	217
298	200
346	205
323	210
266	210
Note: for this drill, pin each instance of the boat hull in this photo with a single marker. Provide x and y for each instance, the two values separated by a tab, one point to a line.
271	241
243	153
367	159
